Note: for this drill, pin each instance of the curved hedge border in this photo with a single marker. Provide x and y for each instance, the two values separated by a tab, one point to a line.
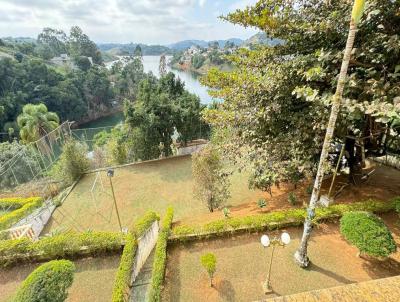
66	245
21	208
275	220
160	257
49	282
121	290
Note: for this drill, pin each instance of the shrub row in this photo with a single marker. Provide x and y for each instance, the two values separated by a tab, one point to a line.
121	288
160	257
22	208
49	282
66	245
275	220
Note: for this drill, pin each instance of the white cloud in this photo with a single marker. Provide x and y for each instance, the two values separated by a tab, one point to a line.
147	21
242	4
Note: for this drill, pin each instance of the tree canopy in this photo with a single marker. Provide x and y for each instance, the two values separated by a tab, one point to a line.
277	99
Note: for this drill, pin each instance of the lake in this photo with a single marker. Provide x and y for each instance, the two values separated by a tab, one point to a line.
151	63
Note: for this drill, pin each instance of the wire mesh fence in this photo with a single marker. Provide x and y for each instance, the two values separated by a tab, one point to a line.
26	172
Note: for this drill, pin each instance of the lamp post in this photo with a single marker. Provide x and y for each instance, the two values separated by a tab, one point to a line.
266	242
110	174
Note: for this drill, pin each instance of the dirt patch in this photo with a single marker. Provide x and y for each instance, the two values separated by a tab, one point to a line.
383	184
242	266
93	279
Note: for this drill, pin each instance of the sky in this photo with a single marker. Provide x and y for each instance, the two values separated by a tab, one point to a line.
121	21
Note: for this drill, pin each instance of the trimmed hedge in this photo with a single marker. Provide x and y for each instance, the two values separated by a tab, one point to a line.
21	208
275	220
49	282
66	245
160	257
368	233
121	290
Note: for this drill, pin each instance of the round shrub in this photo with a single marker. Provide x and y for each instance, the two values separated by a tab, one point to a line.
368	233
49	282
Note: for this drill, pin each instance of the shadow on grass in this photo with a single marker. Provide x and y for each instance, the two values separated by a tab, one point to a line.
329	274
381	269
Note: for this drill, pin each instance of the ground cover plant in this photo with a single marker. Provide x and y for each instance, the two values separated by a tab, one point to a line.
275	220
17	208
139	188
49	282
368	233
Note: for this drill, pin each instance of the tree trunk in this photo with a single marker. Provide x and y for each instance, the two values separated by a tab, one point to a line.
301	254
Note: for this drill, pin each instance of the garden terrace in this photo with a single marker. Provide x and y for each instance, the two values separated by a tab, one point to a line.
242	265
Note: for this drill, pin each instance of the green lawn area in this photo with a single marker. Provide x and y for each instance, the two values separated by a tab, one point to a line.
139	188
3	212
93	279
242	265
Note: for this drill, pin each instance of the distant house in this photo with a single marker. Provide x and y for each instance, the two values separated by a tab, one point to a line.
63	60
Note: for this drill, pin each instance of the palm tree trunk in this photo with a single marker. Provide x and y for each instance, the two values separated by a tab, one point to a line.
301	254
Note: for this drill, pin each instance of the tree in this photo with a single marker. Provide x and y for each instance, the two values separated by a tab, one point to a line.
368	233
35	121
210	182
198	61
83	63
79	44
209	262
19	57
138	52
277	99
52	42
163	66
301	254
73	161
49	282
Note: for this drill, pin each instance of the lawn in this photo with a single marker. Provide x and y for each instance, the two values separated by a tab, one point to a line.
93	279
138	188
242	266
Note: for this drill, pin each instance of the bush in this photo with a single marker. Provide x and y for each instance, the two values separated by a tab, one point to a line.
22	207
123	276
160	257
66	245
262	203
292	198
73	161
121	290
226	212
209	262
397	205
275	220
368	233
49	282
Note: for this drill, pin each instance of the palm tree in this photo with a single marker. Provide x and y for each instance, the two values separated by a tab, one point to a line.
301	254
35	122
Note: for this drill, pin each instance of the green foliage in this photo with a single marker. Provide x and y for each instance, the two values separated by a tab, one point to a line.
160	257
277	98
292	198
143	224
397	205
226	212
64	245
49	282
262	203
309	190
275	220
209	262
368	233
122	279
83	63
121	290
21	207
21	167
35	121
210	182
198	61
73	161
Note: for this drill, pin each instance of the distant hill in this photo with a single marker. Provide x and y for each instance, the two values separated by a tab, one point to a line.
19	40
183	45
261	38
126	49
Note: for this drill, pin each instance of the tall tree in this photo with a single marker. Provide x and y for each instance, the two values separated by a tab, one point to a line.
301	254
35	121
163	66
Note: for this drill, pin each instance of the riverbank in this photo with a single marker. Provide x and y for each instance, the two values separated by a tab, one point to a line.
112	117
203	70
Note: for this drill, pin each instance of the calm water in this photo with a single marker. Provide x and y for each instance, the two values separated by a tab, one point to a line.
151	63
